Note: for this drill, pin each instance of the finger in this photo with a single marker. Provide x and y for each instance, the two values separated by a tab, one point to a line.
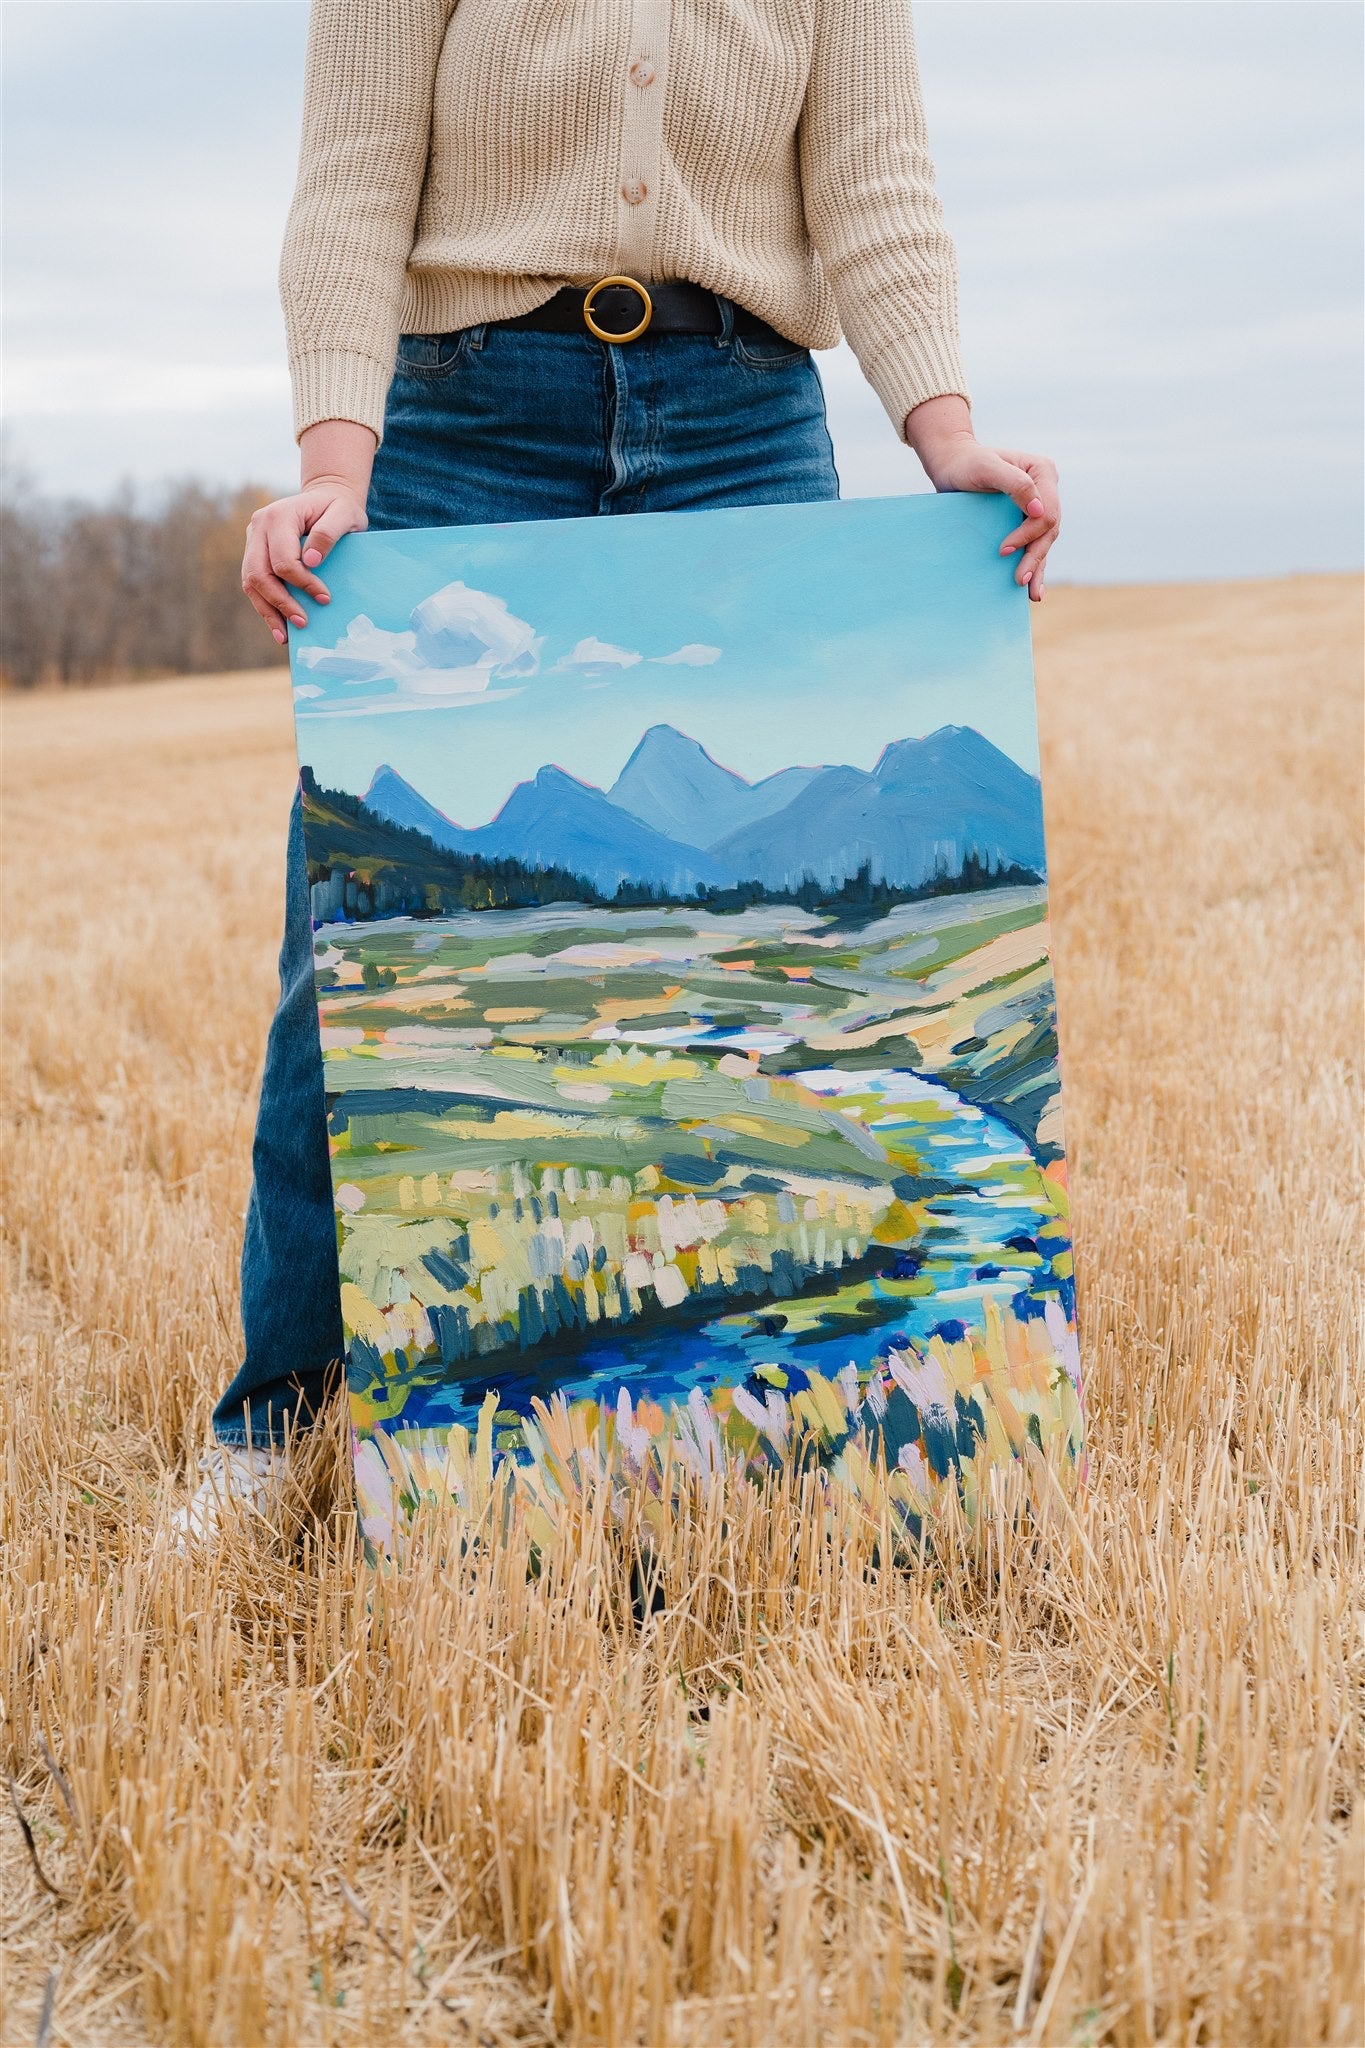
283	545
322	538
268	613
280	533
1044	475
1043	469
1032	562
1034	529
251	571
1031	530
1041	507
261	583
1017	483
265	554
997	472
1031	480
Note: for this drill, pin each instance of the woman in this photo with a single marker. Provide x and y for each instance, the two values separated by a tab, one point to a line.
485	186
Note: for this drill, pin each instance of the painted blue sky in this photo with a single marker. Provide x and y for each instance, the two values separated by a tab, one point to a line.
469	657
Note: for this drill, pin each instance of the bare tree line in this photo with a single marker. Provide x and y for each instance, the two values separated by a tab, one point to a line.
136	586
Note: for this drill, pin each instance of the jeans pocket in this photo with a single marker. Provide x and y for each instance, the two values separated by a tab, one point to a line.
778	354
433	355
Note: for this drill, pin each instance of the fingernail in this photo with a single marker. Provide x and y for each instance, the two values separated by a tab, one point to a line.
298	619
1008	549
1035	508
278	634
311	559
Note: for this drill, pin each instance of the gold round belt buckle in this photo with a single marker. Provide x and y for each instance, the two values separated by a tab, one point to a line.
635	332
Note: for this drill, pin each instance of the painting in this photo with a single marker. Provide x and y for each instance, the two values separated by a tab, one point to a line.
679	895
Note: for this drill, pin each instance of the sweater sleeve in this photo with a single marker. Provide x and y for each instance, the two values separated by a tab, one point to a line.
871	209
368	85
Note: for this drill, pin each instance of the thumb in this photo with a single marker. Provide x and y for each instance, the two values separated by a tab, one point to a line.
341	516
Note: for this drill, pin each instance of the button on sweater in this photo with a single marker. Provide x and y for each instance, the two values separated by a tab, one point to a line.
464	159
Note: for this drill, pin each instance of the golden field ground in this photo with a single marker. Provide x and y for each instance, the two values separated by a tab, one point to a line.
1091	1775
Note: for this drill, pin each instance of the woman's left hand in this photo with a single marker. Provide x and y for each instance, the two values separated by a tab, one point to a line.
940	432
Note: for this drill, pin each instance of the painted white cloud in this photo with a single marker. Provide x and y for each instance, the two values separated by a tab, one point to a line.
385	707
302	690
460	643
364	653
696	654
592	656
460	625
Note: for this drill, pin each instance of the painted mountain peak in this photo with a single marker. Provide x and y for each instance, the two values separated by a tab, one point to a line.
929	806
676	822
555	820
393	798
674	784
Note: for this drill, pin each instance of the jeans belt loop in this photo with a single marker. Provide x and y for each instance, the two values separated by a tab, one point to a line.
726	309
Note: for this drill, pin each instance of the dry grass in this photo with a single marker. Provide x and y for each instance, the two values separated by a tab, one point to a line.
1094	1778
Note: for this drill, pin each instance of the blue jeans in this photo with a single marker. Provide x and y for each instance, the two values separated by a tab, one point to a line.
490	424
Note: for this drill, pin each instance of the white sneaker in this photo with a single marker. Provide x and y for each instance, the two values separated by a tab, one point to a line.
253	1480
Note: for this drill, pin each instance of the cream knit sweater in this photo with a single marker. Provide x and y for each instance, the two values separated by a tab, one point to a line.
463	159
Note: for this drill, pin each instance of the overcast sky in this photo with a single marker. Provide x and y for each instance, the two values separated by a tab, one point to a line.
1156	203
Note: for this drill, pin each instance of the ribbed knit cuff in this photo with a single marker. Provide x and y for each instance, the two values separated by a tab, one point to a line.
923	363
333	384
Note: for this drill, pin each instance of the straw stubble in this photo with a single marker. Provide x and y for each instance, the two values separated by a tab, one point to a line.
1088	1774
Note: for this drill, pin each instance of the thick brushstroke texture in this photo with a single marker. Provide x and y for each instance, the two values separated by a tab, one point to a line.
684	1118
586	1156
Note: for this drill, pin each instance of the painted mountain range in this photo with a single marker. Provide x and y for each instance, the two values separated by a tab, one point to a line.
675	818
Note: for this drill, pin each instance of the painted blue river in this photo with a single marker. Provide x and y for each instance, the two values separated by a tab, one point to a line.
980	1245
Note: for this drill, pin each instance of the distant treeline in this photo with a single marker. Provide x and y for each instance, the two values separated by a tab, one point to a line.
362	866
133	587
860	891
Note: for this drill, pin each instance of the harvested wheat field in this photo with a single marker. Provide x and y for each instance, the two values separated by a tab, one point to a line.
1086	1774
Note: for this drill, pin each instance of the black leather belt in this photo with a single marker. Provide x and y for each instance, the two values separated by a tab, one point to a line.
619	309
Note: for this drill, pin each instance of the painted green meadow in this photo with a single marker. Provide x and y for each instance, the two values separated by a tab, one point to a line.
627	1183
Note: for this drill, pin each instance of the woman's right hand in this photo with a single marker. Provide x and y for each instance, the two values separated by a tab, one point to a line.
289	539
